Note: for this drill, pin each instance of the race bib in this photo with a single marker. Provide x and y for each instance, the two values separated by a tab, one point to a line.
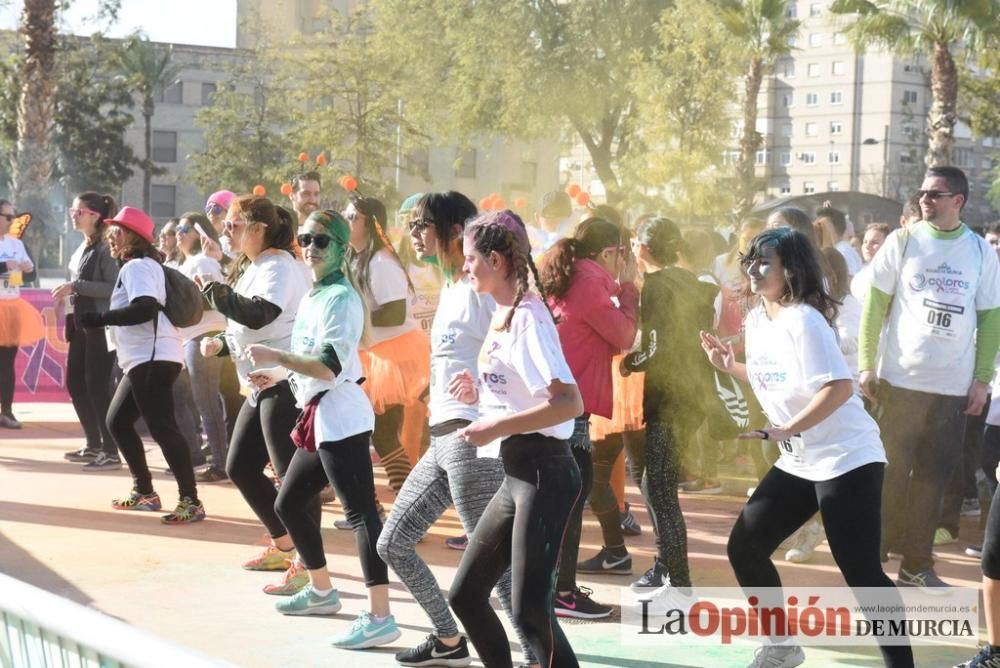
794	448
941	319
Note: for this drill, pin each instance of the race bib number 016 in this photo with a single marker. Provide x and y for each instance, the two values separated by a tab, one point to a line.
794	448
941	318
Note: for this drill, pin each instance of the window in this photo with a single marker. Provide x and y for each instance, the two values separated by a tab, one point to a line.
907	158
809	187
815	9
812	99
465	166
164	146
963	157
788	100
836	128
785	188
790	69
808	157
172	94
785	158
529	173
793	41
836	97
786	129
762	157
791	11
207	93
812	129
163	201
839	68
815	39
986	164
839	38
910	130
909	97
833	187
833	157
813	70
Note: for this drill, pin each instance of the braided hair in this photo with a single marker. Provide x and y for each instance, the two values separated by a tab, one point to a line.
503	232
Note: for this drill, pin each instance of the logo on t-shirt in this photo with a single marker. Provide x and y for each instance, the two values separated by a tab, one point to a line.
940	279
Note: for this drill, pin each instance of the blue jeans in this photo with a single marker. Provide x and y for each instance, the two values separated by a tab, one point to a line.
205	374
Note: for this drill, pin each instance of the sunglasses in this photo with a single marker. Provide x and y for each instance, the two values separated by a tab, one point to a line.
8	216
184	229
82	212
214	209
934	194
321	241
420	224
230	225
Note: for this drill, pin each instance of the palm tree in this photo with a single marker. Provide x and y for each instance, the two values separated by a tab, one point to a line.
938	28
32	164
763	30
148	70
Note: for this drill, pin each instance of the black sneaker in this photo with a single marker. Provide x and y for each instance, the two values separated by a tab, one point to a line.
579	605
433	652
986	658
975	551
652	579
606	562
81	456
103	462
926	580
212	474
630	526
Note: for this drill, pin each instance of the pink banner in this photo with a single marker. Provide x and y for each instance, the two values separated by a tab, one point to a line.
41	367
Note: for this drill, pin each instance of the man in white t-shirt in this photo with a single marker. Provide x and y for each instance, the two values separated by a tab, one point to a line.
305	195
941	337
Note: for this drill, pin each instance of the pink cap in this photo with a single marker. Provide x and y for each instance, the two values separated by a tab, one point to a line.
223	198
134	219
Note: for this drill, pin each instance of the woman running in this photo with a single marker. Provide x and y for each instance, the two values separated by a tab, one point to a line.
678	384
397	358
528	400
589	279
93	274
150	355
204	372
450	471
831	458
333	434
259	301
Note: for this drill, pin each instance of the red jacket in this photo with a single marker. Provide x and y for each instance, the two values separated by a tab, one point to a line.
592	330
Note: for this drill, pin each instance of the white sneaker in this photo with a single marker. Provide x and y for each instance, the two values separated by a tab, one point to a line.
778	656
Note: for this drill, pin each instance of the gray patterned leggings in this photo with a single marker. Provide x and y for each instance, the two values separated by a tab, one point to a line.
659	488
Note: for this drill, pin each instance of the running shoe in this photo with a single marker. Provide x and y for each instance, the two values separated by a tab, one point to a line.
926	581
294	580
8	421
433	652
270	559
212	474
137	501
970	508
943	537
630	526
606	561
975	551
81	456
804	542
987	658
308	602
652	579
578	605
186	512
457	542
776	656
366	632
103	462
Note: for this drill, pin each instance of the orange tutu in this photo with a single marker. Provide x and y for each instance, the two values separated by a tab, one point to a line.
398	370
627	413
20	323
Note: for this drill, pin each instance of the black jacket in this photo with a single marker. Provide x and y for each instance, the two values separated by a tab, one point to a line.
98	276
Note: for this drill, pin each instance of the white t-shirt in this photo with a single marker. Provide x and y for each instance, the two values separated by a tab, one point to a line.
940	284
788	360
333	315
861	283
211	321
387	283
11	250
427	283
74	271
143	278
275	277
848	328
460	326
516	367
854	261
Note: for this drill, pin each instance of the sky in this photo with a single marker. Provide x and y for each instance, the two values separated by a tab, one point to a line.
203	22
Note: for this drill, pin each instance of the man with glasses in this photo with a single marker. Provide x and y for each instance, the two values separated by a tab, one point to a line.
940	340
305	195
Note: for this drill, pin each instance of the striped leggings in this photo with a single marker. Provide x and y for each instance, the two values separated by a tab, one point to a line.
448	472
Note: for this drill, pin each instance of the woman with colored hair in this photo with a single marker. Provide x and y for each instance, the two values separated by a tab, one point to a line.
527	400
397	357
333	434
89	364
150	355
259	301
20	323
589	280
831	458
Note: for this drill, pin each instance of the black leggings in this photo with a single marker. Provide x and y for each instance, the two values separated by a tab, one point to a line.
991	541
7	356
347	465
659	488
580	447
146	391
850	506
524	520
603	501
88	380
264	433
386	440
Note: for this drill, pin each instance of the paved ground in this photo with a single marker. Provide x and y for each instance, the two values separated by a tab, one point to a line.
58	532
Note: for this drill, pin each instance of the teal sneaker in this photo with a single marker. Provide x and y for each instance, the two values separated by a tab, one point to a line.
365	632
308	602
